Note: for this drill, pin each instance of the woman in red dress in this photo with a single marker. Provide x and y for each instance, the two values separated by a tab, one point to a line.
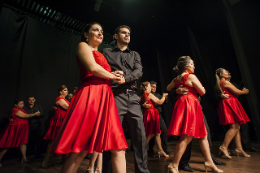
187	118
231	112
92	122
17	131
61	105
151	116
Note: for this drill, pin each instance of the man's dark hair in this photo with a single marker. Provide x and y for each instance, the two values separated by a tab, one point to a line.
153	82
117	30
30	96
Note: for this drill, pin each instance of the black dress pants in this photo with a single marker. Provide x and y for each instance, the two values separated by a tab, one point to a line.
129	110
187	154
163	128
34	142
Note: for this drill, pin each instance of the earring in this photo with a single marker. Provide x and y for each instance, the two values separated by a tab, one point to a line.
86	39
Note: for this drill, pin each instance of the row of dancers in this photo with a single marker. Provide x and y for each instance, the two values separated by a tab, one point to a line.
107	97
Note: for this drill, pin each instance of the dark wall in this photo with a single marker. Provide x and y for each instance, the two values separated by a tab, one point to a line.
36	59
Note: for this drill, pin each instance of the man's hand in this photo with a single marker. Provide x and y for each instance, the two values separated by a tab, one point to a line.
147	106
224	96
121	81
182	90
37	113
10	120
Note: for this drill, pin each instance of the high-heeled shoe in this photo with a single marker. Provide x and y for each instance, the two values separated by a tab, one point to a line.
211	166
90	170
98	170
24	160
225	152
161	152
171	169
241	153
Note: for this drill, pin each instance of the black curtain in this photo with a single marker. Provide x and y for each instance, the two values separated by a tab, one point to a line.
243	21
203	34
36	59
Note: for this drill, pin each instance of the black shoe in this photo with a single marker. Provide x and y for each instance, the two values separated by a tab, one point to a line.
150	154
251	150
186	167
168	152
217	162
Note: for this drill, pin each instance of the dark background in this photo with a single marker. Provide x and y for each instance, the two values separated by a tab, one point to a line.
38	51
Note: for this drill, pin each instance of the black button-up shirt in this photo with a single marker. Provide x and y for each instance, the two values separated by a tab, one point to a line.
127	61
35	120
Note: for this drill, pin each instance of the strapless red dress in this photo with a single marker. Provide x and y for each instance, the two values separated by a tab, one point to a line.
150	116
56	121
16	133
187	117
230	110
92	122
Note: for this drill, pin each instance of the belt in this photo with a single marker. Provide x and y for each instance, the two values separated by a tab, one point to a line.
130	92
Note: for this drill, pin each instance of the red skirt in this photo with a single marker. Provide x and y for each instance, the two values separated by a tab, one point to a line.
231	111
187	118
151	121
54	126
92	122
14	135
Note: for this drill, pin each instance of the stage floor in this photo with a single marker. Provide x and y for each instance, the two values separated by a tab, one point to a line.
155	165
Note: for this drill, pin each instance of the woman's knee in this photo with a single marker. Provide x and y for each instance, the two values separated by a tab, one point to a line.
117	152
235	126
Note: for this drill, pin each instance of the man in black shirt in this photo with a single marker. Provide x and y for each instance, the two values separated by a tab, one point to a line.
121	58
34	142
163	126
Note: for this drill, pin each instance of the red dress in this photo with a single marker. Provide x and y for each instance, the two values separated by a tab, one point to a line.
16	133
92	122
56	121
151	116
230	110
187	117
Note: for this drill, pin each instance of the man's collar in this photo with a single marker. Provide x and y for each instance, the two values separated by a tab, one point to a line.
117	49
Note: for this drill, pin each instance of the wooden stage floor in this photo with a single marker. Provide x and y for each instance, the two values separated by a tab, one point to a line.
155	165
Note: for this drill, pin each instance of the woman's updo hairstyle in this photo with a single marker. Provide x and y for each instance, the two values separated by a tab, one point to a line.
17	101
218	77
62	87
87	28
143	85
183	61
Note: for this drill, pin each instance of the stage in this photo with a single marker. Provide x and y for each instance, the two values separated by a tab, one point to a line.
155	165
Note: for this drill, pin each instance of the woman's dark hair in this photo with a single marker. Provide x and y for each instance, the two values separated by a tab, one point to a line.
62	87
17	101
218	77
143	85
87	28
117	30
182	62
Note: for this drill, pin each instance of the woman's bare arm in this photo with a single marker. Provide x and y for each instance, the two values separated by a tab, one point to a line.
156	100
24	115
170	86
196	84
63	104
233	89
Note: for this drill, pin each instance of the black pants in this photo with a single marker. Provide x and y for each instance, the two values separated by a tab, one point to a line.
129	110
163	128
34	142
187	154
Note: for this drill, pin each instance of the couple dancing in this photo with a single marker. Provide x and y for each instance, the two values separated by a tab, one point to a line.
93	119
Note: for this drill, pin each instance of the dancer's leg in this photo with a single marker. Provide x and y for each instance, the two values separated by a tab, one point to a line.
179	149
23	151
2	153
239	149
73	161
158	142
230	134
47	155
92	160
99	162
148	138
118	161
